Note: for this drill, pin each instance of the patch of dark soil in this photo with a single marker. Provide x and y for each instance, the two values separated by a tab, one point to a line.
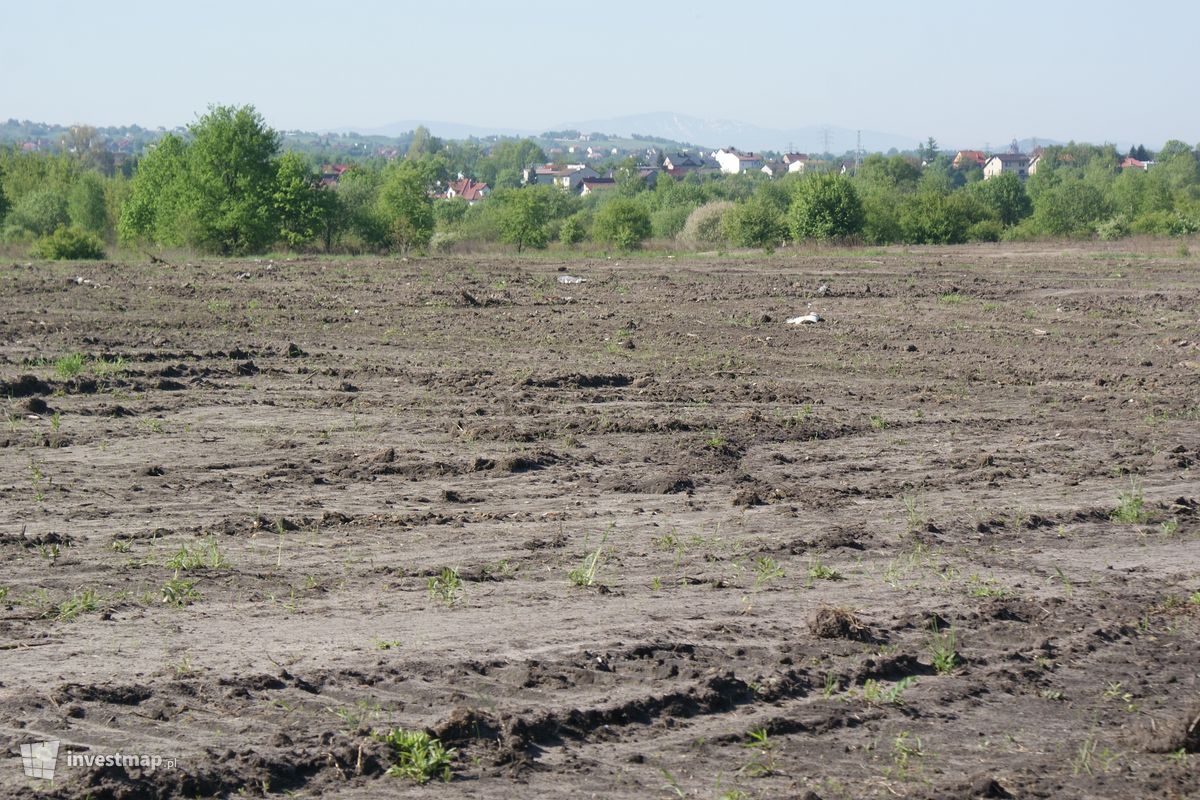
24	386
663	483
747	498
525	462
129	695
578	380
465	725
981	787
36	405
40	540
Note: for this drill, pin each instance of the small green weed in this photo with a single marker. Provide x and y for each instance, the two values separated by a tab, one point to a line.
69	366
766	570
584	576
419	756
80	602
818	571
875	691
943	649
1130	506
446	586
206	556
762	760
179	592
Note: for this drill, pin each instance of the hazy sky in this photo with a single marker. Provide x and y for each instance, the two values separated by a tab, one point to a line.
1097	71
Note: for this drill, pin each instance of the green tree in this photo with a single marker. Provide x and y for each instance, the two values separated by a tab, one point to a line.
423	143
405	206
933	218
1071	208
825	207
40	212
86	206
502	167
4	203
231	180
629	179
523	216
301	205
1005	197
358	194
155	209
755	223
622	222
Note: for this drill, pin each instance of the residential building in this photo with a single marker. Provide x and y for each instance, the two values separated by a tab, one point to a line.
734	162
796	162
964	158
470	190
1016	163
589	185
565	177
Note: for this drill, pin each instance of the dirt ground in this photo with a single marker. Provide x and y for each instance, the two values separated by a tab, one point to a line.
942	543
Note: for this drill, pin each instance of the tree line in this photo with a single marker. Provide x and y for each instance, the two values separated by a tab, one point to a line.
228	188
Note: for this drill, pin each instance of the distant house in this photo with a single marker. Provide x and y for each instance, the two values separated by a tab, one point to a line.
565	177
734	162
682	163
470	190
649	176
964	158
1133	163
1015	163
602	152
796	162
774	169
332	173
589	185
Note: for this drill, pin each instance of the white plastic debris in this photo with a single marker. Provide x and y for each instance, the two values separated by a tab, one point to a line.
807	319
570	279
822	290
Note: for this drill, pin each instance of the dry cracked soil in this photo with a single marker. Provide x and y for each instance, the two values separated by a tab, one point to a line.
631	537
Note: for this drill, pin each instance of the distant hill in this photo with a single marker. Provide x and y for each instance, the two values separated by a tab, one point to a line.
443	130
722	133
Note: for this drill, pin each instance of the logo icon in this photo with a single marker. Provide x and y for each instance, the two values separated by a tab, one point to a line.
38	759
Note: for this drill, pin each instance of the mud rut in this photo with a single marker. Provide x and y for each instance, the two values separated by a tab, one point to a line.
782	516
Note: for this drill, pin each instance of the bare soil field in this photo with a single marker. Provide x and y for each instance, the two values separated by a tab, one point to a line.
632	537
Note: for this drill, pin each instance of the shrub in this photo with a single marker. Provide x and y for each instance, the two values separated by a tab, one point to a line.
705	225
40	212
572	229
986	230
755	223
623	223
668	221
1113	229
68	244
825	207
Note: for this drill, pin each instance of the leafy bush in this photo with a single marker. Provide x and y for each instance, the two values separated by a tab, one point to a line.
1163	223
68	244
572	229
668	221
705	226
825	207
1113	229
986	230
623	223
40	212
755	223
